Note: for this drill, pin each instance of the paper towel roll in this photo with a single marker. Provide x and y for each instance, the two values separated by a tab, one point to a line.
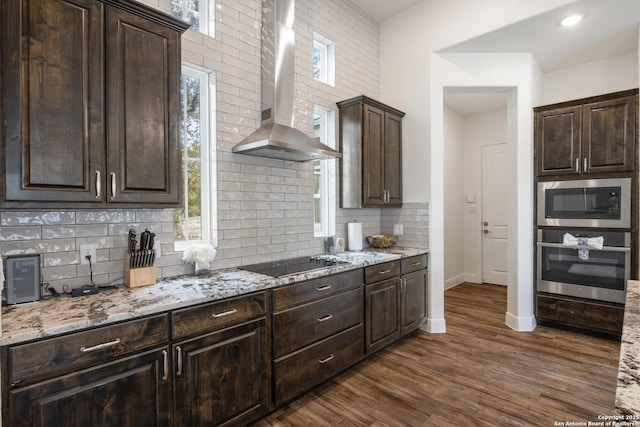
354	236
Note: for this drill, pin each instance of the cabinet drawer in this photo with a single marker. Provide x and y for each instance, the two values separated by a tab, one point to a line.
413	263
311	322
209	317
310	366
594	316
54	356
289	296
376	273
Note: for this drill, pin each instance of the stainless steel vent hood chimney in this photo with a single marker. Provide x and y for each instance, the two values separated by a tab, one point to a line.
277	138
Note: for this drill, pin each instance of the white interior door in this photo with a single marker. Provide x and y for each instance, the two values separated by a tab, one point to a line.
494	214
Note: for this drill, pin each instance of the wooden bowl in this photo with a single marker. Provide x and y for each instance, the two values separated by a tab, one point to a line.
382	241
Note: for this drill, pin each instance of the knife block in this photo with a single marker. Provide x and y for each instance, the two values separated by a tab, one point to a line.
136	277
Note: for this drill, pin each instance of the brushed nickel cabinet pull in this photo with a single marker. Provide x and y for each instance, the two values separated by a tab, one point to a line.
327	359
165	365
416	263
385	272
225	313
584	165
325	318
577	165
100	346
114	185
98	185
323	288
179	360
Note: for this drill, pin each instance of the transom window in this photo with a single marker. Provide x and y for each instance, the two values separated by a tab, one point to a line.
195	221
323	60
200	14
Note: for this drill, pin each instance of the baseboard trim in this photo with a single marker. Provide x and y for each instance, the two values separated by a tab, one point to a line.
435	326
454	281
520	324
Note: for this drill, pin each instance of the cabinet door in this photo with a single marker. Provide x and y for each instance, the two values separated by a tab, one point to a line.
222	378
393	158
557	135
372	156
143	73
134	391
53	84
382	313
609	134
414	301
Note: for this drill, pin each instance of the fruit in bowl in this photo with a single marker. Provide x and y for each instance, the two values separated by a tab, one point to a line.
382	241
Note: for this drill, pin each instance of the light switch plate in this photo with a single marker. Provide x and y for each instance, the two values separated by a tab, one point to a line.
398	229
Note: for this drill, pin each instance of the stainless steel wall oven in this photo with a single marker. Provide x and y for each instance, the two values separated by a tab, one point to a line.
602	275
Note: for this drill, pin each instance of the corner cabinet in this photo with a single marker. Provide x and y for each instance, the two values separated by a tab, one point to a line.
371	147
587	136
90	104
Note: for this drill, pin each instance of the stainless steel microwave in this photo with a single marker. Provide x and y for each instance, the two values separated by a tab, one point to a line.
604	203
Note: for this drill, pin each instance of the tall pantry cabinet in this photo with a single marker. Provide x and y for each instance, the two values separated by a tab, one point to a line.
90	104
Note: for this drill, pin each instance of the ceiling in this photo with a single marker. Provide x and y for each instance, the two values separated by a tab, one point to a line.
609	28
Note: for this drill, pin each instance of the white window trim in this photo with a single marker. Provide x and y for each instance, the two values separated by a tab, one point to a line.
207	16
327	50
208	169
327	174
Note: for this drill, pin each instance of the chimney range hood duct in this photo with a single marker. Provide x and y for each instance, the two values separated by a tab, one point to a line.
277	138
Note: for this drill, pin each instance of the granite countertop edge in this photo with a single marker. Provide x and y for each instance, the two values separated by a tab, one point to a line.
58	315
628	389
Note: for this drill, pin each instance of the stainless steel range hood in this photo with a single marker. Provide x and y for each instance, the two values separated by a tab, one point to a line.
277	138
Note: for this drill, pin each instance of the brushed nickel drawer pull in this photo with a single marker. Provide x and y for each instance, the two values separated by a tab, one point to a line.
327	359
165	365
416	263
325	318
323	288
225	313
114	185
100	346
98	185
385	272
179	354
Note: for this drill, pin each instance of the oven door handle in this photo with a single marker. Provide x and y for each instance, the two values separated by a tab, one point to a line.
604	248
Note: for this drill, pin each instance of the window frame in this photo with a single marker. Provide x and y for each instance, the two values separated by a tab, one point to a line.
206	15
327	167
327	65
208	169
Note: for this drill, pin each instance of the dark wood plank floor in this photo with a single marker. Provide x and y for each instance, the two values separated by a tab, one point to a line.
480	373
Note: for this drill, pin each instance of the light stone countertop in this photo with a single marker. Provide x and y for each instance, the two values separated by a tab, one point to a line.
628	391
57	315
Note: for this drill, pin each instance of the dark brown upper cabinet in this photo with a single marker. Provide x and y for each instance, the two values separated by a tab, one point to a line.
587	136
90	104
371	147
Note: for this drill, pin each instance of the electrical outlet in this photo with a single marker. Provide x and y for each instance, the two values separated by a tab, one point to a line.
88	250
398	229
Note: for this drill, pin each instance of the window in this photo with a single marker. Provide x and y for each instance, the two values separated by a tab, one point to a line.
195	221
200	14
324	174
323	60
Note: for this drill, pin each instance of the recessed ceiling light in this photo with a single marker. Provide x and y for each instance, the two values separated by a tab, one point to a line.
572	20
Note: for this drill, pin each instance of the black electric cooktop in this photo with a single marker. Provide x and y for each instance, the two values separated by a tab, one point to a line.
286	267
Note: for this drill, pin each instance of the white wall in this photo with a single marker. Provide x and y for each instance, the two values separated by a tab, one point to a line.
453	198
594	78
479	130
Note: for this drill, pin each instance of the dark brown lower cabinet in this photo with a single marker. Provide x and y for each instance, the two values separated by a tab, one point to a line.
221	378
414	301
382	313
584	315
134	391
